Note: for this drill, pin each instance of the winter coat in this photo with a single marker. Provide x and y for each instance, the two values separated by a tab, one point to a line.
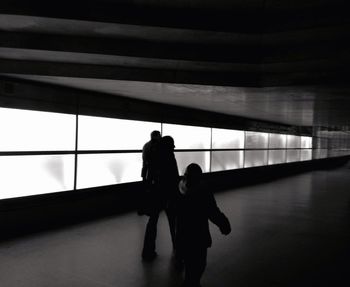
194	210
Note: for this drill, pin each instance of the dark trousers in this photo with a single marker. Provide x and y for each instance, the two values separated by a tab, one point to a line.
195	260
149	244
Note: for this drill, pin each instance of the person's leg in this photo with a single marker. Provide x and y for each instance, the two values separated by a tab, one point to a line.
202	263
149	244
195	263
171	215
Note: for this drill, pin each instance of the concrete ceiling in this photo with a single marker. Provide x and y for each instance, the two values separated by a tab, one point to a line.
280	61
269	104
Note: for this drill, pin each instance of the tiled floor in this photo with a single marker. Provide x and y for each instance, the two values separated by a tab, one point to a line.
290	232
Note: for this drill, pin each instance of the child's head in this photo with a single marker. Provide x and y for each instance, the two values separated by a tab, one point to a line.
193	175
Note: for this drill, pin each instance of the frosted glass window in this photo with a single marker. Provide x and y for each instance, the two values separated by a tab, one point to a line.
107	169
321	143
25	130
256	140
255	158
224	160
293	155
320	153
188	137
277	141
98	133
30	175
306	154
223	138
306	142
334	153
185	158
277	156
293	141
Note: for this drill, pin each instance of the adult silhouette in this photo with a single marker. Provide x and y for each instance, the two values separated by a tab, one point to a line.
164	192
149	173
149	158
195	207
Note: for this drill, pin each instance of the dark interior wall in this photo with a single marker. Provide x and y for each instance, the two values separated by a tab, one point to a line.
305	46
229	15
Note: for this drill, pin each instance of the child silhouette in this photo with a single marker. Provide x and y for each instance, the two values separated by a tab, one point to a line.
195	207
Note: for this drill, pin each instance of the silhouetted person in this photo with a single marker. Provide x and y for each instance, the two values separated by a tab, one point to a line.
164	189
149	174
149	158
168	181
195	206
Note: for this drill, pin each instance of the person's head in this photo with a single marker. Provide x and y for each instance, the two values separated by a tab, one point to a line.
168	143
193	175
155	135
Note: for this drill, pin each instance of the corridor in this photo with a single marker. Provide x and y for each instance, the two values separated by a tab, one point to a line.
289	232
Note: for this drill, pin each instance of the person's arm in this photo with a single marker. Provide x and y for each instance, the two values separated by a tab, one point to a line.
144	163
216	216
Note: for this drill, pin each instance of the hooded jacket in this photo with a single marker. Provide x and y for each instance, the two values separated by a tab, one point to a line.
195	207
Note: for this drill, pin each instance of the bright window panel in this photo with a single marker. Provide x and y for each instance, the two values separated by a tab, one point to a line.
99	133
319	153
255	158
277	156
323	143
25	130
185	158
225	160
293	155
256	140
106	169
223	138
306	154
38	174
335	153
306	142
188	137
293	141
277	141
